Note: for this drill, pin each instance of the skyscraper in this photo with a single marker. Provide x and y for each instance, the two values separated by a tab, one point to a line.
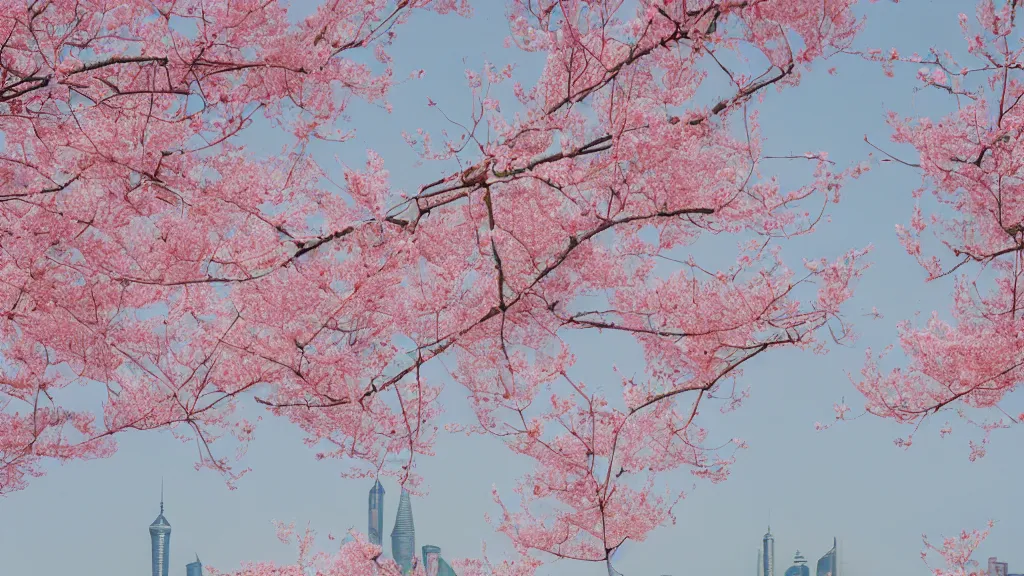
434	564
431	558
403	536
768	554
827	565
799	567
160	537
194	568
376	530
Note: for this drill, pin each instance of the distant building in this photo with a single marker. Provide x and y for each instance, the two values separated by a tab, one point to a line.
376	530
997	568
403	536
768	554
434	564
194	568
799	567
160	538
431	559
760	564
827	564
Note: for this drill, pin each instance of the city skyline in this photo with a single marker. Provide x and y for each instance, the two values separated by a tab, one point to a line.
404	554
403	540
827	565
403	534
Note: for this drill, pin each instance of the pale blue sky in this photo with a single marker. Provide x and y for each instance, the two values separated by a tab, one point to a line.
850	482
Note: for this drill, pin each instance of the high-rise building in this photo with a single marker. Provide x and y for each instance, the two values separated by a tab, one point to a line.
194	568
434	564
760	563
431	559
997	568
827	564
160	537
799	567
376	530
403	536
768	554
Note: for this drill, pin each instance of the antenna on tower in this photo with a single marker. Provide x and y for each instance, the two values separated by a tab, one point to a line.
161	494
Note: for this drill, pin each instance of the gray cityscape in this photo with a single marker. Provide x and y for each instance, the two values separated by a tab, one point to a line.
829	564
403	546
403	538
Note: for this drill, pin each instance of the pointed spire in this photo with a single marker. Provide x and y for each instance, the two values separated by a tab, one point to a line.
161	522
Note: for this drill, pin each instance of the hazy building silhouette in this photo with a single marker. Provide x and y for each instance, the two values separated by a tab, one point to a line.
799	567
376	509
194	568
827	564
403	536
768	554
997	568
160	537
434	564
760	563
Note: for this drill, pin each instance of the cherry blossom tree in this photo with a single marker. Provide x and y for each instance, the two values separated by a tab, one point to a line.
148	254
970	161
956	553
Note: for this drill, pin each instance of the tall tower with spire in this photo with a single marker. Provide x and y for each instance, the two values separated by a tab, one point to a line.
376	530
403	536
768	554
160	537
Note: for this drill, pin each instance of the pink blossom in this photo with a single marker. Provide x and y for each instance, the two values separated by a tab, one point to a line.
151	255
